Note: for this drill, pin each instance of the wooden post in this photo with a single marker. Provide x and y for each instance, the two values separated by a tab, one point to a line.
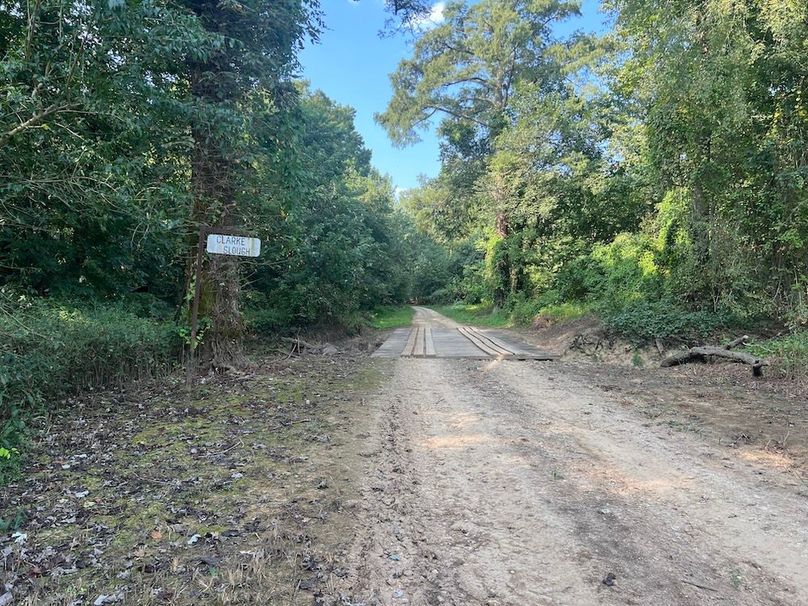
200	252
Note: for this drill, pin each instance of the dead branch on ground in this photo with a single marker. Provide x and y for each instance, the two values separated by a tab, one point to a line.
709	352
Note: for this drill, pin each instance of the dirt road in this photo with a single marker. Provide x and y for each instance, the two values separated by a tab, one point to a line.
522	483
342	479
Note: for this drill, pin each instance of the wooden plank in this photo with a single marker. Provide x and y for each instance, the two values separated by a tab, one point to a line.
479	342
451	343
494	342
418	351
393	347
467	342
429	343
499	351
522	350
409	348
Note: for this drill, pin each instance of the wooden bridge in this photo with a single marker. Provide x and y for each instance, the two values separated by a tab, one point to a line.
428	341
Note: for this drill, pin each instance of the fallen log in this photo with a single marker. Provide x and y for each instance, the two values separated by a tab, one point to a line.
702	354
736	342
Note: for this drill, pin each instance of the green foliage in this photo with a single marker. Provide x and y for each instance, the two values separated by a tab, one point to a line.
726	117
50	349
527	311
126	126
91	150
790	353
387	317
340	244
9	468
656	176
467	67
12	522
645	321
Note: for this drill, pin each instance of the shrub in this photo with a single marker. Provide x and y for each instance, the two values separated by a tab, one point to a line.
49	349
790	353
644	321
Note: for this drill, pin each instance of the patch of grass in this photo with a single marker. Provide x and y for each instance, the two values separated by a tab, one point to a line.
478	314
736	578
564	312
49	349
390	316
12	520
9	464
789	353
522	312
527	312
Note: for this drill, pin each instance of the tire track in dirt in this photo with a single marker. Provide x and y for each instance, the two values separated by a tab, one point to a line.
713	515
510	483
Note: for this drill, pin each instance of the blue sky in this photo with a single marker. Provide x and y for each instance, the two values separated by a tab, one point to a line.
351	65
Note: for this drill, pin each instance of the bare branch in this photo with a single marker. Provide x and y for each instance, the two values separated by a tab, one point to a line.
35	120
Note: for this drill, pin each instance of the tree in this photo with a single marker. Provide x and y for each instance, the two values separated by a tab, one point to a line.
467	71
255	51
93	146
467	68
342	247
724	92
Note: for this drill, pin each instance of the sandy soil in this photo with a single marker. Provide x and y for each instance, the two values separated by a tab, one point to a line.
534	483
425	316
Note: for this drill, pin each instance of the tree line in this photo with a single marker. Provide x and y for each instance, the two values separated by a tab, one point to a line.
650	172
126	127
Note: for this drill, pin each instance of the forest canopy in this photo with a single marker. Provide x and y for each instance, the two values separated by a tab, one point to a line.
657	169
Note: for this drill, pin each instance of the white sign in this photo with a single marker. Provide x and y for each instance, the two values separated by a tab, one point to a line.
240	246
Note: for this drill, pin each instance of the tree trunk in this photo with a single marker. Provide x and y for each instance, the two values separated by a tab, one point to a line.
212	177
702	354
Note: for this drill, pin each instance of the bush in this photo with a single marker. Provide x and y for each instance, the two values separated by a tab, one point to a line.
578	280
790	353
523	311
644	321
49	349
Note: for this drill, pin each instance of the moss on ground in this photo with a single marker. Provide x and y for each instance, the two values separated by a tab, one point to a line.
214	496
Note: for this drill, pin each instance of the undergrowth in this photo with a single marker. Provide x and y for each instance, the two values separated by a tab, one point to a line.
643	322
789	351
49	349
